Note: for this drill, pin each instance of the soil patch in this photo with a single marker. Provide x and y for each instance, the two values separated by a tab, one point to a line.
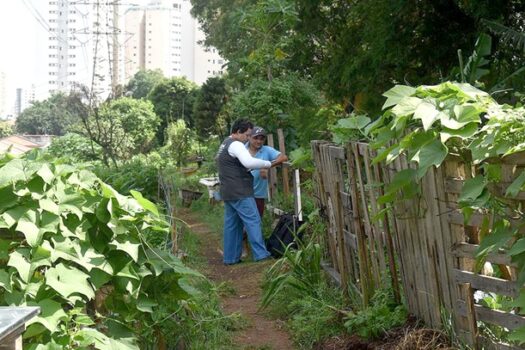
408	337
260	332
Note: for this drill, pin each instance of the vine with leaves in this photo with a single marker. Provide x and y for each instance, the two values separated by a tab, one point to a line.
426	124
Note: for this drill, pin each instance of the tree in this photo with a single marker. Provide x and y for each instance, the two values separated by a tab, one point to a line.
179	140
173	99
208	105
289	103
53	116
6	129
143	82
122	127
76	147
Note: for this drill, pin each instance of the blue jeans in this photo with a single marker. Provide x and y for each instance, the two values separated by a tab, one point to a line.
238	214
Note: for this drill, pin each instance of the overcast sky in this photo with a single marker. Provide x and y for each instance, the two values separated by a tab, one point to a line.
23	44
21	37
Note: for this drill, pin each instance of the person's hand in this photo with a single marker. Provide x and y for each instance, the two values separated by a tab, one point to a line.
263	173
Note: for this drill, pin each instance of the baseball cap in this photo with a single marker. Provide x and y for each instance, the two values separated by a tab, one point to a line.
258	131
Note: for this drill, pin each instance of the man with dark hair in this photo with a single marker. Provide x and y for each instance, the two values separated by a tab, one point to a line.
259	150
234	163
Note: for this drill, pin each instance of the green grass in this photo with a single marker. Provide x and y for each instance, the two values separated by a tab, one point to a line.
202	324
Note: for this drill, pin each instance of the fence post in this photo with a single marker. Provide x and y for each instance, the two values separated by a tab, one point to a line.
282	148
272	181
297	195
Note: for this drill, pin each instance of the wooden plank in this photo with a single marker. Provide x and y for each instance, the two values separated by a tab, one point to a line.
272	180
375	271
426	287
336	277
361	239
466	250
403	239
455	169
486	283
476	219
337	152
326	173
471	316
436	240
449	238
389	233
498	317
282	148
350	239
373	193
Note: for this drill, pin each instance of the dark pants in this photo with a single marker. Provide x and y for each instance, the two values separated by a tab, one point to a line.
260	205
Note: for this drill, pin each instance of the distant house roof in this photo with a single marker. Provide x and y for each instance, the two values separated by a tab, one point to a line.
17	144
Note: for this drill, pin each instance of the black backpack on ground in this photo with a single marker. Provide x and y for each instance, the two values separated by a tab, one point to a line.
284	233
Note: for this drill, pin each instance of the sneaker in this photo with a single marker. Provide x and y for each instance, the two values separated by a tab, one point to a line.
244	254
269	257
234	263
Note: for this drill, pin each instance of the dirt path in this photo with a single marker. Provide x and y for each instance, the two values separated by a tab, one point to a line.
245	278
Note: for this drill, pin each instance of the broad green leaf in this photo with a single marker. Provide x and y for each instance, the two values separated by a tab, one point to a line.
12	216
49	205
162	261
465	132
68	280
46	174
64	248
358	122
4	249
432	153
145	304
5	281
472	189
48	346
467	113
27	224
498	238
427	113
517	335
51	314
12	172
72	203
406	106
516	186
21	264
99	277
7	198
396	94
132	249
145	203
518	247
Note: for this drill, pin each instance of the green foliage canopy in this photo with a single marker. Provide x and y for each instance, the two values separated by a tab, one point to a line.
123	127
75	147
143	82
53	116
208	104
173	99
69	239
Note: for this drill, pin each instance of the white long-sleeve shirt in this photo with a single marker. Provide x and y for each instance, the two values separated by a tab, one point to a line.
239	151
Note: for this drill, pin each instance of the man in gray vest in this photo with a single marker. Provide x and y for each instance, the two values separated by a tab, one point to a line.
236	186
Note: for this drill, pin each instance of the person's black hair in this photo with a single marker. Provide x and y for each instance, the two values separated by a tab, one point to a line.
241	125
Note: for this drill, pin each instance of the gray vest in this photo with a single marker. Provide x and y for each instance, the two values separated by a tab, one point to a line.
236	180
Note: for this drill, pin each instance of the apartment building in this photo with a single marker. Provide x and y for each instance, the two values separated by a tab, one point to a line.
163	35
80	44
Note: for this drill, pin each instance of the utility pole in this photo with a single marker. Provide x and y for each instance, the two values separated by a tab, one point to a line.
116	47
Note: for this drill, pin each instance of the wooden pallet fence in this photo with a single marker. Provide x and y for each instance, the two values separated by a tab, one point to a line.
426	236
360	247
466	279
